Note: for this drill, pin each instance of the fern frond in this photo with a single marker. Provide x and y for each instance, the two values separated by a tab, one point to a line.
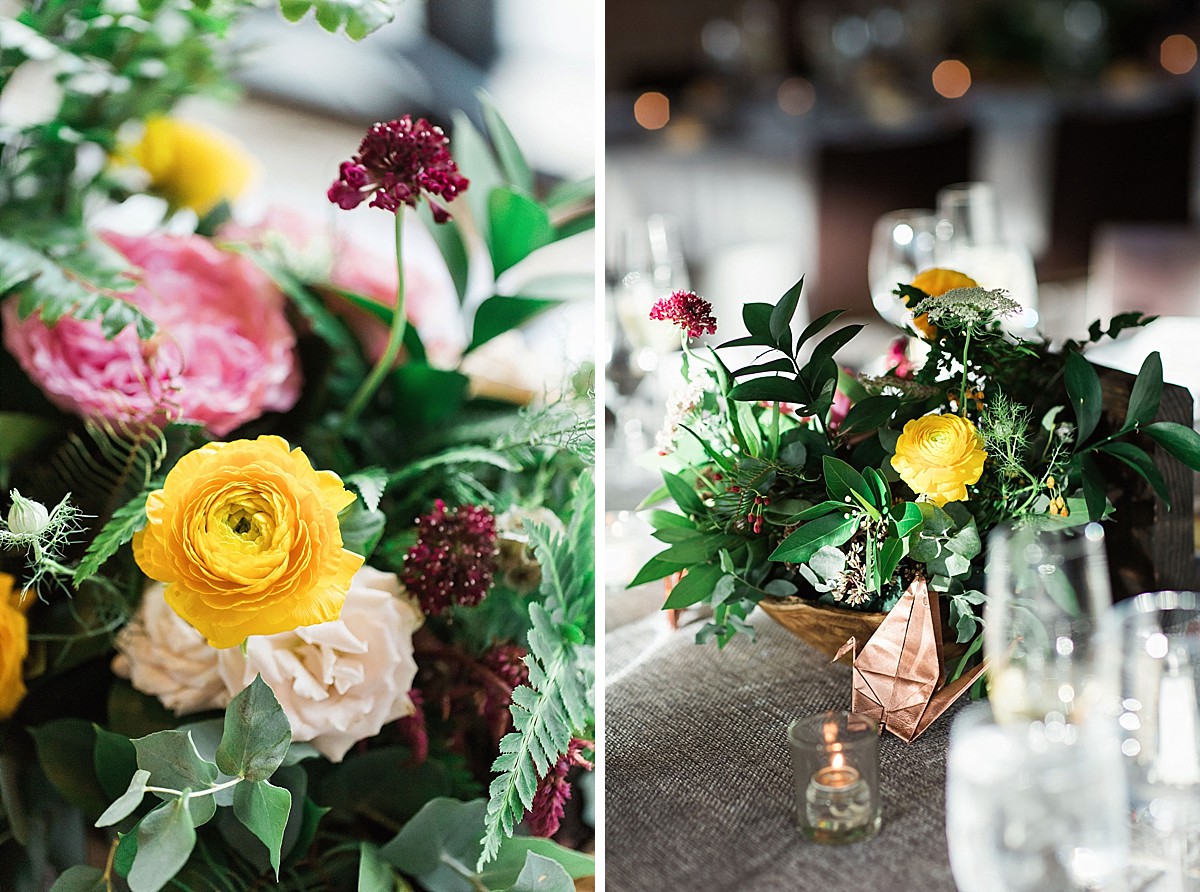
558	703
126	521
115	462
81	277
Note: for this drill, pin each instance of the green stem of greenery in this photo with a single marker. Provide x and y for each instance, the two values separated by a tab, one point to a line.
962	391
383	366
167	791
467	874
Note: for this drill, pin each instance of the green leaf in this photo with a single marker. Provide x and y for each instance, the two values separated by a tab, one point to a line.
358	17
373	873
697	548
361	528
512	160
775	365
889	557
694	587
1146	394
64	749
684	495
542	875
842	482
571	192
264	810
1093	488
173	763
757	319
1083	389
800	546
514	855
816	327
820	510
114	759
126	521
780	322
1182	442
660	519
907	518
81	879
654	569
165	839
869	414
773	390
445	831
830	345
256	736
427	395
1142	464
478	164
879	488
127	803
453	248
370	483
501	313
518	227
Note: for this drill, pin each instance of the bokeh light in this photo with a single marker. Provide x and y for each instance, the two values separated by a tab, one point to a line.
1177	54
951	78
652	110
796	96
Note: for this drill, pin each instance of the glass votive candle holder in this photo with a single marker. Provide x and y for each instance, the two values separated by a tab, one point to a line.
835	763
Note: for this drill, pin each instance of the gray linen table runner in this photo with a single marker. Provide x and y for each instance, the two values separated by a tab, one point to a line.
698	781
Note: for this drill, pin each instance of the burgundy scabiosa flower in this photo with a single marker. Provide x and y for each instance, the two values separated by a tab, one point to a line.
396	164
692	313
454	559
550	799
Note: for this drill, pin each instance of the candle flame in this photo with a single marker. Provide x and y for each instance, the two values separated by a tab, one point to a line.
838	761
830	730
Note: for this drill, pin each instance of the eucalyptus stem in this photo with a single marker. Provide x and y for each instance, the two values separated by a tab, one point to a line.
167	791
962	391
383	365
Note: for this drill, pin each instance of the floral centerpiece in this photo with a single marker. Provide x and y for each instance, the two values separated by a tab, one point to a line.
793	479
285	598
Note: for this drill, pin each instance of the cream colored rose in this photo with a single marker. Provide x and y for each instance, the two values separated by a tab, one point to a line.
166	658
342	681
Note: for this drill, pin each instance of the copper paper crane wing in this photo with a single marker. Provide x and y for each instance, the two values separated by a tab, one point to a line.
898	671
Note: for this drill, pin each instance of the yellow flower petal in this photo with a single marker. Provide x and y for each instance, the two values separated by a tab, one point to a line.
939	456
14	646
245	535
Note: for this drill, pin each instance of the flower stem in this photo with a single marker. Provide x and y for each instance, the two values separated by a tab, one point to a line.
395	339
962	391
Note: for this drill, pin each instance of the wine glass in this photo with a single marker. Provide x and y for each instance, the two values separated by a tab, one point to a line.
1046	591
650	266
1150	649
902	244
970	238
1033	807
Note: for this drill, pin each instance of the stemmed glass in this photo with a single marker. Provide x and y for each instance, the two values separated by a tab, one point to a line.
1046	592
902	244
1150	648
1033	807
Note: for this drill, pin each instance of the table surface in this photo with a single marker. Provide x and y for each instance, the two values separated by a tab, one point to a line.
698	783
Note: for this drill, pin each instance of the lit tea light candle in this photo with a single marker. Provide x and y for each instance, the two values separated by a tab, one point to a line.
835	759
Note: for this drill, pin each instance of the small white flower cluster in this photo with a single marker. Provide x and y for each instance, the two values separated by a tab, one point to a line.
682	402
338	682
968	307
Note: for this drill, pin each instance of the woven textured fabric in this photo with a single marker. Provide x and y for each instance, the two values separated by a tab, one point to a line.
698	780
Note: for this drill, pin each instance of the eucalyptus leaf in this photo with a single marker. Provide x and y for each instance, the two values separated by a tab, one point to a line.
439	844
127	803
542	875
374	875
81	879
165	839
257	734
264	810
515	853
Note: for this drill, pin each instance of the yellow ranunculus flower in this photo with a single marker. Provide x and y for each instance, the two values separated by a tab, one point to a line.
192	166
936	282
245	535
14	645
939	456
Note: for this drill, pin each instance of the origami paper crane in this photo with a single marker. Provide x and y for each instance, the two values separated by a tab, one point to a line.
898	673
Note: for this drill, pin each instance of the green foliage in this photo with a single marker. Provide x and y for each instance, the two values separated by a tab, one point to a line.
542	875
165	839
264	810
256	736
119	530
501	313
356	18
557	704
81	879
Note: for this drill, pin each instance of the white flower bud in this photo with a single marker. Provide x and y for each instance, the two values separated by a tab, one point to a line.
27	517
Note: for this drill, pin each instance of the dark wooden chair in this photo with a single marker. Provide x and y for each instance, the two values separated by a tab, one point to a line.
862	177
1116	164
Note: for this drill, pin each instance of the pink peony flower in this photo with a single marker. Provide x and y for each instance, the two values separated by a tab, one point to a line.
223	355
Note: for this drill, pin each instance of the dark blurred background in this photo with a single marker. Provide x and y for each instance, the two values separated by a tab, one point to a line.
775	133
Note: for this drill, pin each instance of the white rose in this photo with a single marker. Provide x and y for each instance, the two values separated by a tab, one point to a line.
165	657
342	681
